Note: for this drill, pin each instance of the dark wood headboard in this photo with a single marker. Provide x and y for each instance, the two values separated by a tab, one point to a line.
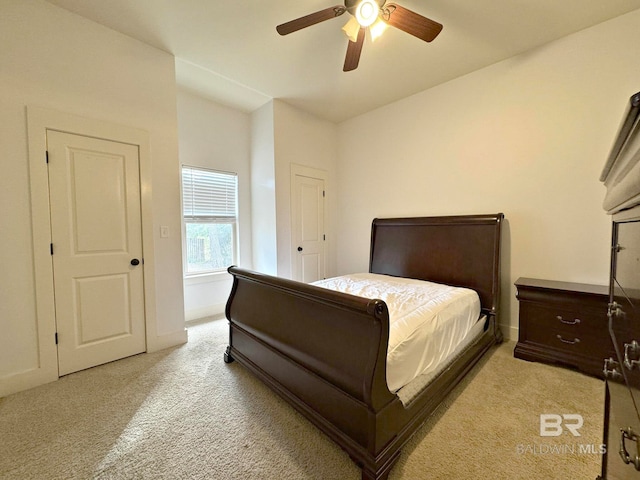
462	251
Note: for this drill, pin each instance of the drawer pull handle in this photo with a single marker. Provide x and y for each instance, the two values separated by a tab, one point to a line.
570	342
611	369
566	322
631	354
627	458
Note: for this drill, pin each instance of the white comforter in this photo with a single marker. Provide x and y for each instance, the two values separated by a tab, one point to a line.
427	320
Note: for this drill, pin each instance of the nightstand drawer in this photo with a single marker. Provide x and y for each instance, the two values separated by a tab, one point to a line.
554	318
563	323
564	330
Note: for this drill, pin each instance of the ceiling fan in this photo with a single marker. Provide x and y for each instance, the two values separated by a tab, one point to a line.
372	15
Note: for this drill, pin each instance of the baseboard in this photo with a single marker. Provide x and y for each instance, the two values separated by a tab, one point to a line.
25	380
509	332
161	342
28	379
208	311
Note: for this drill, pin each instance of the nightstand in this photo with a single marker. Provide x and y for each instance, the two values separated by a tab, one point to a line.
564	323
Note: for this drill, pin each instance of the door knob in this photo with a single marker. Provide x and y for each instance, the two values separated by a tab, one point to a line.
135	262
299	249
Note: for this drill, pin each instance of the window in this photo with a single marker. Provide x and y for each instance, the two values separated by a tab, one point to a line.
209	205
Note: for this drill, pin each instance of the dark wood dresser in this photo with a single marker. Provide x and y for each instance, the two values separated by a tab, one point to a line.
621	176
563	323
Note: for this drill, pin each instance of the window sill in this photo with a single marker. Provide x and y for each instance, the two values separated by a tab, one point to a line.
207	278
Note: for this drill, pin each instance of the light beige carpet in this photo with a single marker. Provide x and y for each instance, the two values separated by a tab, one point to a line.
184	414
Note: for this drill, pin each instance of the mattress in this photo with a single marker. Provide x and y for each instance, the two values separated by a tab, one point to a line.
412	389
427	321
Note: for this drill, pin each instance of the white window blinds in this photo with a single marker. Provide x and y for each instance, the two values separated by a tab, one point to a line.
209	195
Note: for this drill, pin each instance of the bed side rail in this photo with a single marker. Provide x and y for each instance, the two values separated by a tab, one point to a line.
339	337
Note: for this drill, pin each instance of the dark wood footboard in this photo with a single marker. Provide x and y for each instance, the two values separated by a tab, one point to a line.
325	353
323	350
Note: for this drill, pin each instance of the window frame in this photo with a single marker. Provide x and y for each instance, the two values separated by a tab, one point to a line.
208	219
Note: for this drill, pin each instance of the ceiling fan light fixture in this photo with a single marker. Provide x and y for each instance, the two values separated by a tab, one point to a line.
351	29
372	15
377	29
367	12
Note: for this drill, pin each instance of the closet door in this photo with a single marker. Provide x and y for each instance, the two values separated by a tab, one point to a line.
96	233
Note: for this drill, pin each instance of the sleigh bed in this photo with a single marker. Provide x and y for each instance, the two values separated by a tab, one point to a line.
325	352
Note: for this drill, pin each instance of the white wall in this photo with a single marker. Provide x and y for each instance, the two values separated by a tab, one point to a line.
303	139
527	137
52	58
281	136
217	137
263	191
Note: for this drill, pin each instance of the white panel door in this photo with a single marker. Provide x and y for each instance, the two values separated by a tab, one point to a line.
308	228
97	250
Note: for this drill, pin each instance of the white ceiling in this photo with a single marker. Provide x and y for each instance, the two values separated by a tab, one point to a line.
230	51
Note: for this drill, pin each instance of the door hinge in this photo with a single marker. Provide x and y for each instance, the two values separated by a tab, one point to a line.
56	337
51	248
324	237
323	193
46	155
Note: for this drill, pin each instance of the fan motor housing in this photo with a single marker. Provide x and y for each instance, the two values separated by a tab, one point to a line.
352	4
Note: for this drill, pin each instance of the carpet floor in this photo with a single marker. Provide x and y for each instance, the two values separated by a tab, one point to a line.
183	413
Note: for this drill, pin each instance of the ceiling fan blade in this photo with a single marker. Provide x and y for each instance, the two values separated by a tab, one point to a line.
410	22
311	19
353	52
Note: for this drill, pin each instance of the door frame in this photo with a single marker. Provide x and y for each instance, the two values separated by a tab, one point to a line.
304	171
39	120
